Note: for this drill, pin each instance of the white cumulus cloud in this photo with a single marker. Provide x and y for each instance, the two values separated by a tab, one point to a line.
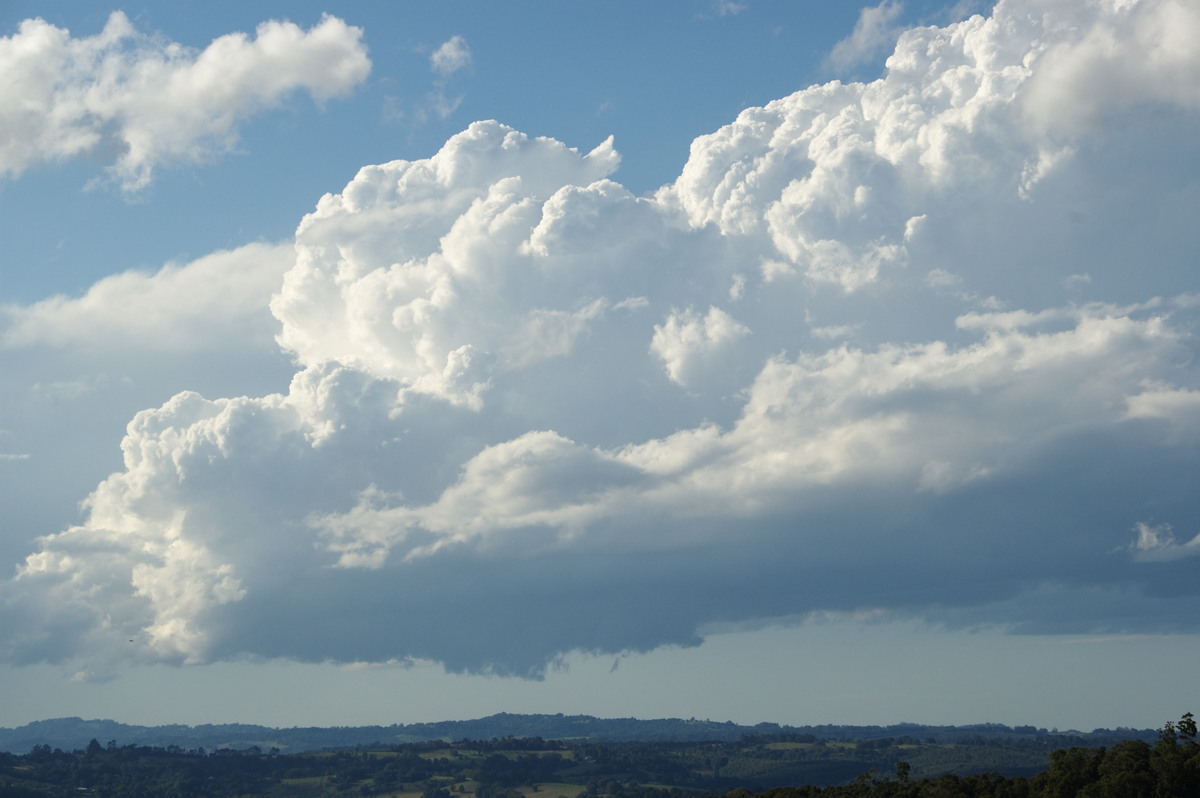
515	378
139	102
689	344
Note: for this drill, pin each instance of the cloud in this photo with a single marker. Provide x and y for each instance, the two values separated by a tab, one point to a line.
533	413
1158	544
9	456
728	7
76	369
1178	407
451	56
138	102
1130	56
689	344
180	308
875	31
439	317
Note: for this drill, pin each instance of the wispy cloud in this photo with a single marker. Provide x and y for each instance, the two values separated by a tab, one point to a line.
724	8
1159	544
875	32
451	56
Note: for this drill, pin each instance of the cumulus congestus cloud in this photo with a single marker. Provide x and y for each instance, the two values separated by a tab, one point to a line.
844	362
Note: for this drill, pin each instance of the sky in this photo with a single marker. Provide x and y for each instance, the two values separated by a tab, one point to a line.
799	362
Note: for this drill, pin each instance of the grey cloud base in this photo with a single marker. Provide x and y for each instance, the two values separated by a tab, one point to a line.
899	348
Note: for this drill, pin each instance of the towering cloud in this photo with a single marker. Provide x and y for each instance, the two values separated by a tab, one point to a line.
898	346
139	102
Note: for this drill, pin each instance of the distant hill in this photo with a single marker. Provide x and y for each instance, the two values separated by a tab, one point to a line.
70	734
785	764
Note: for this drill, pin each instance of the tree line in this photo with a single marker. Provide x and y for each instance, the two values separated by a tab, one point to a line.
757	766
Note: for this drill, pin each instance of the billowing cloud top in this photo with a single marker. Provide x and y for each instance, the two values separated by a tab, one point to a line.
904	346
142	102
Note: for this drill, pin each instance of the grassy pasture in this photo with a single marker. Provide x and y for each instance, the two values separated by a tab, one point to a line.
554	789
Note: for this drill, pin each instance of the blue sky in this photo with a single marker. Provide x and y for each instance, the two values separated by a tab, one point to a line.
353	374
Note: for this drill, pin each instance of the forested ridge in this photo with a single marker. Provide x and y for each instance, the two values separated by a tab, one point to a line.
72	733
783	765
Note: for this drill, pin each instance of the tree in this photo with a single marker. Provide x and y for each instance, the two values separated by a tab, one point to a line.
1187	728
1125	772
1175	758
1072	770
